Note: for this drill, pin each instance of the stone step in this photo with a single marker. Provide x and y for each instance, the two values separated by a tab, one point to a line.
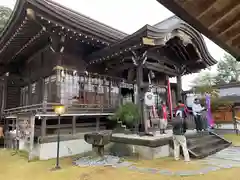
199	146
200	139
205	144
213	150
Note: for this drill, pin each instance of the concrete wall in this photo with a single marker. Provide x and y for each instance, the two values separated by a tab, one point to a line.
67	148
143	152
49	150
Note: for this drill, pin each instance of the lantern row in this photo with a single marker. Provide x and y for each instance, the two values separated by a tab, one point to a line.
30	41
14	35
115	54
76	35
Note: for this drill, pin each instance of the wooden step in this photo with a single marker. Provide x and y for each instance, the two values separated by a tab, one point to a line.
204	144
212	150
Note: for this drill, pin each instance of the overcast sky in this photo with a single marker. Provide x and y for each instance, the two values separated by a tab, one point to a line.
127	16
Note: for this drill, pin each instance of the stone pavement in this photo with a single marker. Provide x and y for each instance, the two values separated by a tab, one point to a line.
227	158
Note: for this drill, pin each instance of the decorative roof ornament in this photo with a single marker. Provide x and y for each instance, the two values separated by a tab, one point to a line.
167	37
31	14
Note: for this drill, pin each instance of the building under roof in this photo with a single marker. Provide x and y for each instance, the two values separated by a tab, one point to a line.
219	20
36	24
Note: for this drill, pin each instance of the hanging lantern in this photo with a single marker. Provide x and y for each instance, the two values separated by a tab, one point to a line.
63	73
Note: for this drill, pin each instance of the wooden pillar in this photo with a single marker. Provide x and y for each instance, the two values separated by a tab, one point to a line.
179	88
74	125
104	91
31	137
44	127
109	92
140	98
58	84
16	141
97	124
29	94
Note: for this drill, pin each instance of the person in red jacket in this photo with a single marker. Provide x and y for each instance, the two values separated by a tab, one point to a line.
163	115
183	108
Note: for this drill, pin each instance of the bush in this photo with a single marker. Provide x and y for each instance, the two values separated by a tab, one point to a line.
127	113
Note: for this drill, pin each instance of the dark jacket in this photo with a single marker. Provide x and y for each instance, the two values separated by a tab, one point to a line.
179	126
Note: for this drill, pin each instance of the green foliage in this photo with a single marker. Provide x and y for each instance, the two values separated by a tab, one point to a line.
207	89
5	13
216	103
127	113
228	69
204	79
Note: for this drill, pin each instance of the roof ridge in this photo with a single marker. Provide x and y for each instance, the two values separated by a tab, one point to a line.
82	15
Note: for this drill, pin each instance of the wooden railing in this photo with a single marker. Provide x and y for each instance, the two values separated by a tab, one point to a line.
48	108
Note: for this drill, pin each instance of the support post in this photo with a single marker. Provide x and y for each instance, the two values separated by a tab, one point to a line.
74	125
58	84
31	138
139	61
43	126
109	92
179	88
58	143
97	124
140	96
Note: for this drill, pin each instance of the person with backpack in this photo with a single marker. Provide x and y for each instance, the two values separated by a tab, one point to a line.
179	129
183	108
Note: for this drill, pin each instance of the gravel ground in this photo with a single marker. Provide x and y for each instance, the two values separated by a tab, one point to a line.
227	158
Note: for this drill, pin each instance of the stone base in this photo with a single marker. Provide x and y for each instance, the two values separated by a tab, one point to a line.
145	147
142	152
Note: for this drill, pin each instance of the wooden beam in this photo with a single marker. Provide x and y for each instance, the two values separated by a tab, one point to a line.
74	125
229	28
233	38
233	10
120	67
44	126
159	68
31	138
156	56
210	6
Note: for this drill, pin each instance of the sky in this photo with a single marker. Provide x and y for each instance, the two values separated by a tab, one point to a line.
128	16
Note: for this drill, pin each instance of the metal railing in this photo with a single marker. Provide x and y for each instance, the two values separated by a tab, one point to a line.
48	108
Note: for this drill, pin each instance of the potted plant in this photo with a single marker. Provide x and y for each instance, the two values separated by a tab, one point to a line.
128	114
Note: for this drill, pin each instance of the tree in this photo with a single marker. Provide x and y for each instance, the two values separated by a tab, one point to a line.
228	70
203	83
203	79
5	14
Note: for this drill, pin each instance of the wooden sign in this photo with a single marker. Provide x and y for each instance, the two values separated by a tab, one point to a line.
148	41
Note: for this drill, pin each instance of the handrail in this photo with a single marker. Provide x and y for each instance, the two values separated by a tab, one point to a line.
46	107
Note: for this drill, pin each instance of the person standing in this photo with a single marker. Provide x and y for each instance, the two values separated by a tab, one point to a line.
163	114
179	129
197	110
182	107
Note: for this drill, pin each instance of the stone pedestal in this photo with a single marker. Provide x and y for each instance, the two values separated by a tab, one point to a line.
98	150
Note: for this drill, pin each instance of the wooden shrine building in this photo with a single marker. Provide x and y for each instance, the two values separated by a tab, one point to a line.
51	55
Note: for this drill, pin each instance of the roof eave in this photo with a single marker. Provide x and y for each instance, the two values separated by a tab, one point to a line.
183	14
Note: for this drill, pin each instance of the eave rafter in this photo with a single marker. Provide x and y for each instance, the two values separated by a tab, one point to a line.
216	19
